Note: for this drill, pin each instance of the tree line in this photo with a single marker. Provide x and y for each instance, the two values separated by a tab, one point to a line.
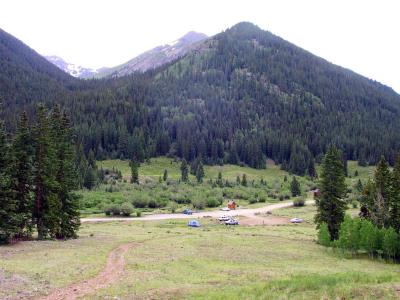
37	178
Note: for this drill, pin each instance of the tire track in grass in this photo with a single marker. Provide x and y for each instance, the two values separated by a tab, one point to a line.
112	271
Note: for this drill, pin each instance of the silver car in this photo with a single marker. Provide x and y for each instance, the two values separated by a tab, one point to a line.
296	220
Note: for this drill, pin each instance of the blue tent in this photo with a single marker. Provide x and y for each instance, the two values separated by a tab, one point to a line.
194	223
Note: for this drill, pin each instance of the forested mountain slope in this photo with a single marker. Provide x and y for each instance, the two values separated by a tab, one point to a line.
240	96
252	93
26	77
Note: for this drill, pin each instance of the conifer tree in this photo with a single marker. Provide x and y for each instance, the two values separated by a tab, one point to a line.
295	187
22	149
395	199
200	173
165	175
92	159
81	165
244	179
134	164
184	171
65	176
90	179
312	172
8	206
45	199
219	182
238	181
377	195
331	204
359	186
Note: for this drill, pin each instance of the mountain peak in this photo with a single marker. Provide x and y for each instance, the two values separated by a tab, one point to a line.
193	37
157	56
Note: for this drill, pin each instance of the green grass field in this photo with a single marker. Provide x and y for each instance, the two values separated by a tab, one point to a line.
167	194
211	262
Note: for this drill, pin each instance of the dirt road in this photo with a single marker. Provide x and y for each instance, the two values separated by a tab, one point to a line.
246	212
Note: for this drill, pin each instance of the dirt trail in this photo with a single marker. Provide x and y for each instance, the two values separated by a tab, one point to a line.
112	271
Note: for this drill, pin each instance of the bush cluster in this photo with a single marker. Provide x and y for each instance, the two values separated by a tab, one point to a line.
299	202
125	209
361	235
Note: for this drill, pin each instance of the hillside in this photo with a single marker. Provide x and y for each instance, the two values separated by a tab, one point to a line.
155	57
247	88
241	96
26	77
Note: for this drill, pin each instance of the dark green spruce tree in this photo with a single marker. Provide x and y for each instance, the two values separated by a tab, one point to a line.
200	172
244	180
295	187
134	164
184	171
219	181
65	176
8	206
395	201
46	205
22	149
331	205
382	195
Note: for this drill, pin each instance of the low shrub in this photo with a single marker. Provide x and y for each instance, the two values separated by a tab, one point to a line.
140	201
253	200
212	202
299	202
198	204
115	210
126	209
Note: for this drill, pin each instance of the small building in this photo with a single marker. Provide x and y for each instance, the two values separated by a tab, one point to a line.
231	204
316	193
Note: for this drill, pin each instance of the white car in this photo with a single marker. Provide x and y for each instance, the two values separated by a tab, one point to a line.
232	222
224	218
296	220
225	209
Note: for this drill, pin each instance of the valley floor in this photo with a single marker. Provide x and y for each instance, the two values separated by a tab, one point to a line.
165	259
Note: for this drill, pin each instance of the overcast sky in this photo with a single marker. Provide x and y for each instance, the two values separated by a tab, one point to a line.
361	35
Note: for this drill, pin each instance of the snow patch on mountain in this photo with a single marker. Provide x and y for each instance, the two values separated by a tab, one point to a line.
70	68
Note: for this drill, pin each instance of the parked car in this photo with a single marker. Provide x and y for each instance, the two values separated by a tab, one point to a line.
232	222
296	220
224	218
187	211
225	209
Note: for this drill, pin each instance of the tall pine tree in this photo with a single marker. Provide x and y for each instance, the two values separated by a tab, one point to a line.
395	201
331	205
134	164
46	204
8	206
22	149
184	171
65	176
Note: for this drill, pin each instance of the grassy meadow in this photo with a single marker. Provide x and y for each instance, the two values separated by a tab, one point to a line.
263	186
211	262
172	261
